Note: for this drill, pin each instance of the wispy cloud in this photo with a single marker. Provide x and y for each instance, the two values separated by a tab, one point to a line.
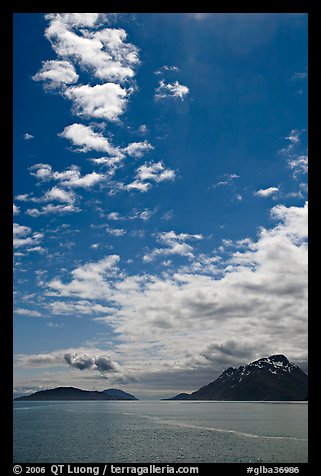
225	180
299	76
166	68
297	159
171	90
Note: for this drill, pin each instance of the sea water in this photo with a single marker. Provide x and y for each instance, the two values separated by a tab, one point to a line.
160	432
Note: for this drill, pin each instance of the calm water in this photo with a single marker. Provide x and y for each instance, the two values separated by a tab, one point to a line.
164	432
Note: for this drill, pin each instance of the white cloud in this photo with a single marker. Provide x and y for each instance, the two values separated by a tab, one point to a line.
78	19
114	216
115	231
41	172
256	305
23	236
169	215
154	171
86	181
28	136
103	52
294	136
85	358
137	185
15	209
267	192
77	307
56	73
69	178
299	75
175	243
299	164
86	139
102	101
50	208
138	149
297	158
147	173
27	312
143	129
55	325
23	197
166	68
88	281
171	90
238	197
226	180
144	215
56	193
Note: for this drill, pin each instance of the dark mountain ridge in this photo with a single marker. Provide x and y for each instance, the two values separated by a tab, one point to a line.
71	393
269	379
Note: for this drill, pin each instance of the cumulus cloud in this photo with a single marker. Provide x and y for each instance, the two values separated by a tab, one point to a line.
70	178
171	90
15	209
88	281
82	307
23	236
86	139
60	195
28	136
102	101
258	299
41	171
174	243
27	312
52	209
150	172
56	73
104	52
267	192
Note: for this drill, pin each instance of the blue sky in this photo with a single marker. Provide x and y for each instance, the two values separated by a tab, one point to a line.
160	197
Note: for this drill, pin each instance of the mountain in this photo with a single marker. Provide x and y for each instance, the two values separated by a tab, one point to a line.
271	378
119	394
71	393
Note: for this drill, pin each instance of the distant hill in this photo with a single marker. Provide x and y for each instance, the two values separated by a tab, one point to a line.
271	378
119	394
71	393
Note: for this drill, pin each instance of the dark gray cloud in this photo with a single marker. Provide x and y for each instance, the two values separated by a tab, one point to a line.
85	362
80	362
105	364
